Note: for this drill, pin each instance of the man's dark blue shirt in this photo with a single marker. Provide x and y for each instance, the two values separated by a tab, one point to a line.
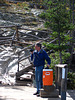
39	58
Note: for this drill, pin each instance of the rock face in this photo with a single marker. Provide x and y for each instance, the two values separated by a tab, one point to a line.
16	16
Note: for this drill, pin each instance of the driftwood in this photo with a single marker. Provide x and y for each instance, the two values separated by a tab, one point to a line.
23	58
30	35
13	38
8	40
3	32
18	74
22	64
4	38
28	39
52	41
36	30
10	26
26	43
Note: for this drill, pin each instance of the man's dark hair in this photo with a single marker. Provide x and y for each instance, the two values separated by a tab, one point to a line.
39	45
31	50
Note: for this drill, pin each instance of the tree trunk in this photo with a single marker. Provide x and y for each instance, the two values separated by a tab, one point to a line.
60	54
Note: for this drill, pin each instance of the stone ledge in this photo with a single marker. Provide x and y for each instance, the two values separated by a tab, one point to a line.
49	88
54	94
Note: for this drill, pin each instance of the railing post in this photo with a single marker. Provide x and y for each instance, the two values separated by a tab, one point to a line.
56	77
17	35
18	61
59	79
64	83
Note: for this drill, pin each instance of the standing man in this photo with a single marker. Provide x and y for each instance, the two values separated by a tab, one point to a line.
38	57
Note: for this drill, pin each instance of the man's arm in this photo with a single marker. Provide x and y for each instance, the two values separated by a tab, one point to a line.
31	56
31	51
47	58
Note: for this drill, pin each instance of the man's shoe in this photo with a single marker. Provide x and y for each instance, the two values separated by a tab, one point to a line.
36	93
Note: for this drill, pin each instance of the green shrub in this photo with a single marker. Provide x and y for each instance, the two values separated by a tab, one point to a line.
55	59
23	5
71	80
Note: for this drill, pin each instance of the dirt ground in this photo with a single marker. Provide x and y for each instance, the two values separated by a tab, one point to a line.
26	93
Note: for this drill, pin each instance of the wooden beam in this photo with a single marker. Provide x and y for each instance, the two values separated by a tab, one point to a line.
18	74
3	32
27	43
29	39
17	35
35	30
4	38
31	35
8	40
10	26
23	58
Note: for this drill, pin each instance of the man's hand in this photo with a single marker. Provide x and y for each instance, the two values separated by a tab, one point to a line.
32	52
48	65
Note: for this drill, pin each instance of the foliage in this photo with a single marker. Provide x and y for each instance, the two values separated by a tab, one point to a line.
56	47
71	80
2	1
55	59
57	18
23	5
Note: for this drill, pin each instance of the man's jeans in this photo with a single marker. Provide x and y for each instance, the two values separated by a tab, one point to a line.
38	77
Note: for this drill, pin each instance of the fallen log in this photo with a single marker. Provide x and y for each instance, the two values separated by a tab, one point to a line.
3	32
23	58
18	74
4	38
8	40
26	43
28	39
35	30
10	26
30	35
